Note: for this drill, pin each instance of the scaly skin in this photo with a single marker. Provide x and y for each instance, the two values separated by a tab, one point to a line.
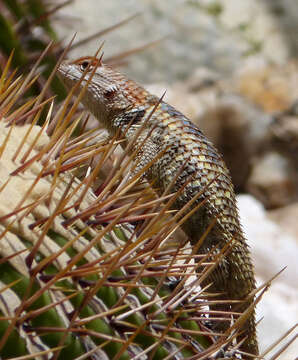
121	104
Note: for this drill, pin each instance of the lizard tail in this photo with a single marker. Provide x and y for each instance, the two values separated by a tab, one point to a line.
250	344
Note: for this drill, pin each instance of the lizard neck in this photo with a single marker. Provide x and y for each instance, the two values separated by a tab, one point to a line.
130	120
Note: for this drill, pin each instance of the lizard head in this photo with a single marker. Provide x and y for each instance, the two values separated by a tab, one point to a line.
107	93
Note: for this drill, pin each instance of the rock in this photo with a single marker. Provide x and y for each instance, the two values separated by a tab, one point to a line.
258	26
271	182
191	105
285	134
286	13
270	86
193	96
286	218
272	249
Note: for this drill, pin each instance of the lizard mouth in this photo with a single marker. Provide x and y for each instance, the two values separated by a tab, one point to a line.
65	74
63	68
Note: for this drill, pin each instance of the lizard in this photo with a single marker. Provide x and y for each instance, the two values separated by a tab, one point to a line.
120	104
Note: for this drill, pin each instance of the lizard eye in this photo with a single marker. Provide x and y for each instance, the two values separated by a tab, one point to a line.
84	65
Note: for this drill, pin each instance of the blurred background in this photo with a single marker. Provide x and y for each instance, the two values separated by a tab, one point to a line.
231	66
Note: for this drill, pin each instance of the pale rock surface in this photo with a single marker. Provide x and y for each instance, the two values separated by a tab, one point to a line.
285	135
270	180
286	218
287	13
258	24
192	105
214	33
273	87
272	249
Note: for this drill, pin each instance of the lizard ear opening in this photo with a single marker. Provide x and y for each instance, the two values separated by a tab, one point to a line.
111	91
